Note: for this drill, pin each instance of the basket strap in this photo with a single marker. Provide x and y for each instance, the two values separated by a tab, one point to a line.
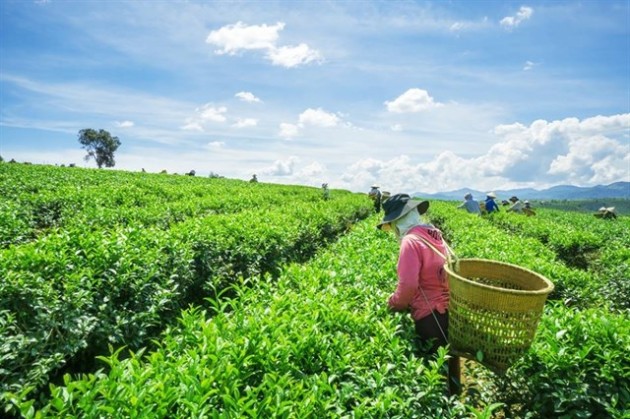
450	256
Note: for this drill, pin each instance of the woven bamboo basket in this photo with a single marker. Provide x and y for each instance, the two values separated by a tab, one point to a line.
494	311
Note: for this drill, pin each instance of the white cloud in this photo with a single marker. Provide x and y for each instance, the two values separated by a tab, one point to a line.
413	100
311	171
523	14
318	117
282	168
293	56
247	97
231	39
210	113
589	152
567	151
288	131
124	124
396	127
246	122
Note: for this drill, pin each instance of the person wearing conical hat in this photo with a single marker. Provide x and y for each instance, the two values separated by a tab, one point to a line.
422	288
375	195
490	203
606	213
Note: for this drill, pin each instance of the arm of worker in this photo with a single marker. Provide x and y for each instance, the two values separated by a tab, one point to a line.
408	271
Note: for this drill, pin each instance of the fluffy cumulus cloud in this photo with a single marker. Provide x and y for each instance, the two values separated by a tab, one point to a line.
247	97
319	118
588	152
203	115
235	38
232	39
212	113
281	168
309	118
413	100
523	14
293	56
584	152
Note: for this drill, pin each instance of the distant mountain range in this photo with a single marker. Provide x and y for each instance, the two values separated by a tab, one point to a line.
620	190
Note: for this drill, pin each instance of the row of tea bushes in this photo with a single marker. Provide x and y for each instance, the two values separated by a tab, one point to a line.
35	200
569	241
601	247
68	295
474	236
578	364
317	342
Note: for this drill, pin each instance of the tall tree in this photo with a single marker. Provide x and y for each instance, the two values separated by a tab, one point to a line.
100	145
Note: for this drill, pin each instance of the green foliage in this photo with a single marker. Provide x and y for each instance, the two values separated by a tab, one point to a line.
578	366
100	145
589	206
95	265
316	342
108	275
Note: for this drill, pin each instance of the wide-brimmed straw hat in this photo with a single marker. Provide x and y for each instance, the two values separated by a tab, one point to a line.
491	195
396	206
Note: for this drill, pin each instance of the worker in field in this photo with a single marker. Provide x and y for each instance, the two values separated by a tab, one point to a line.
470	204
490	205
422	287
516	205
527	209
376	196
606	213
325	192
254	179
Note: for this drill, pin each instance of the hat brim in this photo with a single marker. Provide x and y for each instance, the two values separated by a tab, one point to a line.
421	206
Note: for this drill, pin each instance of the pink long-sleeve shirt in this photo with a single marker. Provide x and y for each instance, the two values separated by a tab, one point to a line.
419	265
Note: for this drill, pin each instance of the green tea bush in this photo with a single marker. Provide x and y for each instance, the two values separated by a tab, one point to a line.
578	366
317	342
80	287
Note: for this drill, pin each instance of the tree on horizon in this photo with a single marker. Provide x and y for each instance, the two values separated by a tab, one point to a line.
100	145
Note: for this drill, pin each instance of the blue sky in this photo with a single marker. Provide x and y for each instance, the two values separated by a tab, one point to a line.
411	95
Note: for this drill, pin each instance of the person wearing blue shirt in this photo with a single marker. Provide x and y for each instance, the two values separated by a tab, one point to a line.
490	204
471	205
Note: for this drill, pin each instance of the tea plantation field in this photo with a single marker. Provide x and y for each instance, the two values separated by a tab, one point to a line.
143	295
